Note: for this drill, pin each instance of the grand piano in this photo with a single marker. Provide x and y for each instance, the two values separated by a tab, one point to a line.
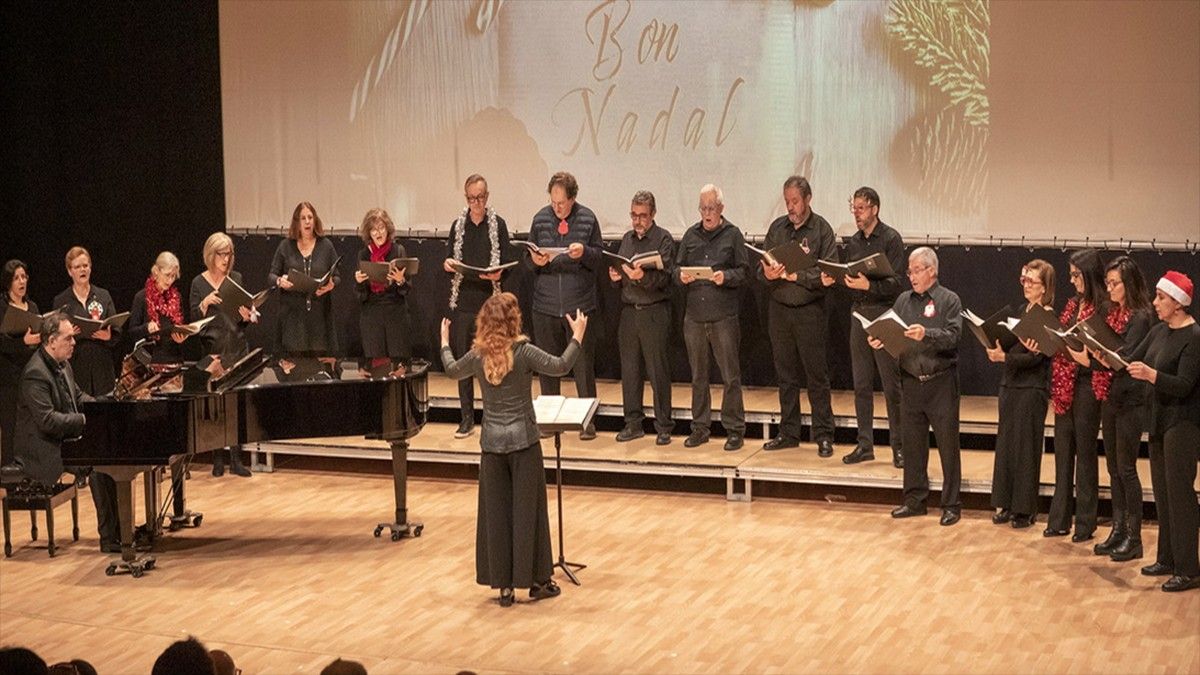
254	401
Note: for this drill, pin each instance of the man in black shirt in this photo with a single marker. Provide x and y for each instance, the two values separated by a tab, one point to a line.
797	320
872	297
711	317
645	321
929	385
478	237
566	283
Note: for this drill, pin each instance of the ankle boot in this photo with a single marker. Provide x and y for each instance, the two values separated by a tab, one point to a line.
218	462
1130	548
235	464
1114	537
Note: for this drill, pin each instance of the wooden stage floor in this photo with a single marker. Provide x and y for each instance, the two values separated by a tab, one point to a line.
285	575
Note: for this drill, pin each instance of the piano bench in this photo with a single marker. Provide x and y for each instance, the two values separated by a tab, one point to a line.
34	497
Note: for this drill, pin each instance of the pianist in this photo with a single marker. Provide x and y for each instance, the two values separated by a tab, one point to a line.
48	414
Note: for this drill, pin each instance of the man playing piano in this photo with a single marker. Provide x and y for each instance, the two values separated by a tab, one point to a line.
48	414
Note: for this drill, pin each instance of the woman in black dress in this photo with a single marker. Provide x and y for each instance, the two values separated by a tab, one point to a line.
15	350
305	319
157	307
512	536
1169	359
93	359
1123	411
1024	396
224	336
383	317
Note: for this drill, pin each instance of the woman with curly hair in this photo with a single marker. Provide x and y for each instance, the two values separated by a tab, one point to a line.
512	535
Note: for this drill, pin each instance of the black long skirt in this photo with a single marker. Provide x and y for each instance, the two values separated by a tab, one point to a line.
512	536
1020	442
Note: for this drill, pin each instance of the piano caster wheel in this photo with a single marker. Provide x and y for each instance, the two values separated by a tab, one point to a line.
396	535
149	564
173	526
197	520
417	530
379	531
110	571
136	572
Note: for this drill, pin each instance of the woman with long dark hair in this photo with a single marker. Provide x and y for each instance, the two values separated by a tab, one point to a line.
1123	411
305	319
1073	392
1024	396
15	351
1169	359
512	535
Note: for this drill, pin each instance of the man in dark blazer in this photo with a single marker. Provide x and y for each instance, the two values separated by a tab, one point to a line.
48	413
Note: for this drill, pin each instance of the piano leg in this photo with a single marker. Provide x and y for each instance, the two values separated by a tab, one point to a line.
181	516
130	560
400	527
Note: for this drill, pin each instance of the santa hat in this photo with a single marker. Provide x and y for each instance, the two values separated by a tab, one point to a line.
1178	286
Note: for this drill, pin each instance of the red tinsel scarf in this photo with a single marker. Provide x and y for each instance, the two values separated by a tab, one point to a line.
163	303
1063	369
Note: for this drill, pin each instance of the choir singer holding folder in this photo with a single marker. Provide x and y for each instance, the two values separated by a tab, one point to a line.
383	317
305	319
93	359
929	385
512	535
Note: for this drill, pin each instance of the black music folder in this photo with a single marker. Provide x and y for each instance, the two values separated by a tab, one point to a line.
650	260
303	283
991	330
89	326
1040	325
474	272
190	329
791	255
874	266
17	321
889	329
1111	358
234	296
1098	329
552	252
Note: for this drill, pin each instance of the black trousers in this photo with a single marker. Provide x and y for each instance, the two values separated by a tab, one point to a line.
724	336
864	363
1075	458
512	535
1173	474
933	403
798	339
104	497
1122	428
552	334
462	335
386	329
1020	442
643	336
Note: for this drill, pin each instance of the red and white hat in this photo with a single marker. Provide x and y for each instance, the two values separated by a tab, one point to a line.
1178	286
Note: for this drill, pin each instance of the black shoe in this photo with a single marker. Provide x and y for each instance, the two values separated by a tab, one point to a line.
696	438
733	443
1130	548
110	547
588	433
825	448
545	591
506	597
1079	537
1021	521
630	433
465	429
781	442
860	454
908	511
1178	583
949	517
218	469
1001	517
1158	570
663	438
1051	532
239	470
1114	539
898	459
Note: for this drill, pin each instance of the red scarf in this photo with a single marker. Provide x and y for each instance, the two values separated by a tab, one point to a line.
163	303
379	254
1063	368
1117	319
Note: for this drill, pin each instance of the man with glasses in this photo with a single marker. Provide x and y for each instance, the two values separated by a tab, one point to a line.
478	237
929	385
564	284
872	297
711	317
645	321
48	414
797	321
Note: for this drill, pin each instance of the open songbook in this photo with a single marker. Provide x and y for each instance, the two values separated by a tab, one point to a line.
234	296
1111	358
552	252
991	330
560	413
1040	325
791	255
89	326
649	260
1098	329
889	329
303	283
473	271
874	266
379	271
698	271
17	321
192	328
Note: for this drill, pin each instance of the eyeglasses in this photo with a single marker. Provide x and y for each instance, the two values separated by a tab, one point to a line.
224	254
709	209
1075	274
477	199
639	216
914	271
1112	284
1027	280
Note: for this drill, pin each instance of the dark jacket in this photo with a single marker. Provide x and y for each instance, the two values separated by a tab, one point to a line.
817	237
1175	354
93	359
509	423
564	285
940	311
47	414
14	353
655	286
722	249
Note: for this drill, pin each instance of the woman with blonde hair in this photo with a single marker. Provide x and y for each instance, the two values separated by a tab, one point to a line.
93	359
512	535
157	307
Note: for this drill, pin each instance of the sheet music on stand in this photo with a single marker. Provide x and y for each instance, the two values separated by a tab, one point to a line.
560	413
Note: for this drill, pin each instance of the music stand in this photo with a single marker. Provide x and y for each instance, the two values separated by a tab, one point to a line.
556	414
